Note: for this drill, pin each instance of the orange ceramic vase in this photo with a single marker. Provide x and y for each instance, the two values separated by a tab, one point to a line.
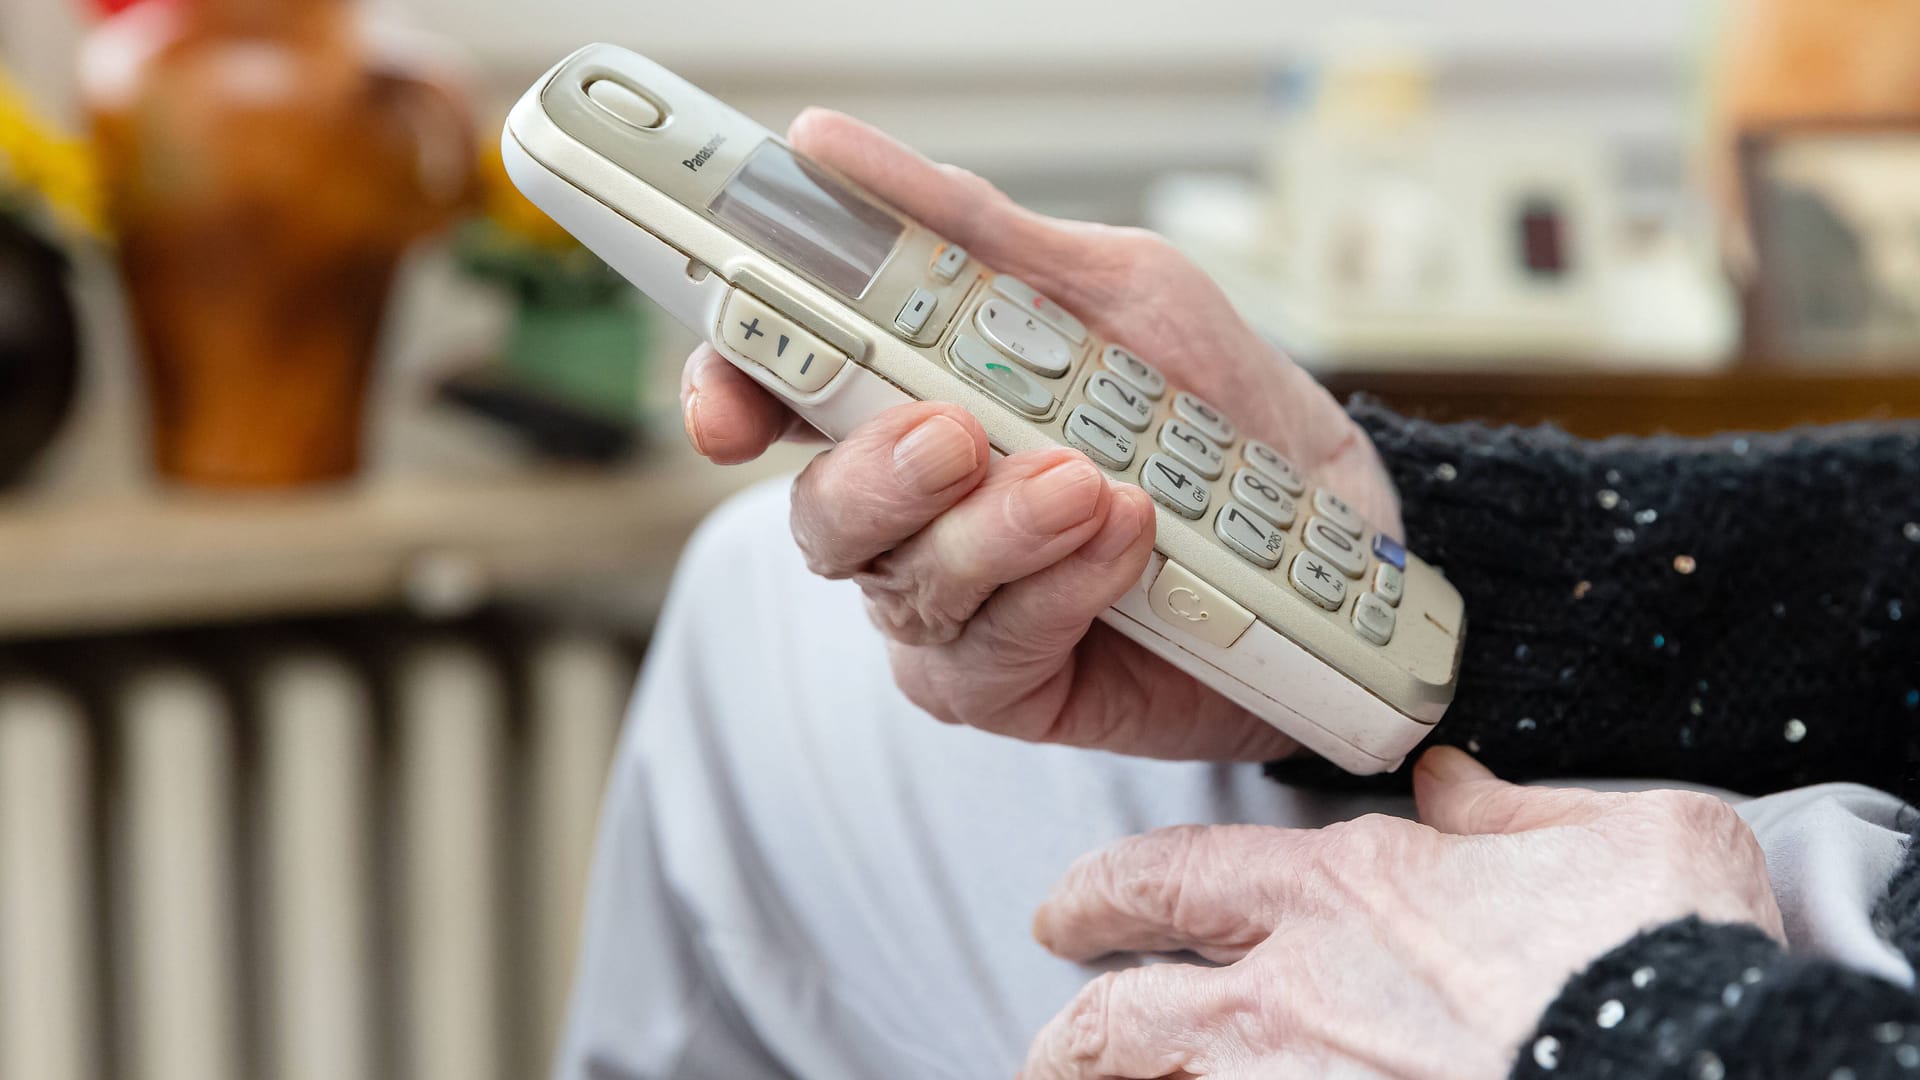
267	166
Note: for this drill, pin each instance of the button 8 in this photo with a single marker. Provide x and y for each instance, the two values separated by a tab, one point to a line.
1258	493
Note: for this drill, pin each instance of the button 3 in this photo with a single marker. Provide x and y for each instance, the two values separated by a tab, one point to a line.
1184	601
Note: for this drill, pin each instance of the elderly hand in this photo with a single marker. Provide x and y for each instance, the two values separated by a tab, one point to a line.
986	576
1380	947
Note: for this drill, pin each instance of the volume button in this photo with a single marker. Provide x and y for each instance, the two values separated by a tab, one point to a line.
757	332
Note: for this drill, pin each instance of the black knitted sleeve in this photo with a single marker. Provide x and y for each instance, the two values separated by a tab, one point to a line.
1742	611
1692	1001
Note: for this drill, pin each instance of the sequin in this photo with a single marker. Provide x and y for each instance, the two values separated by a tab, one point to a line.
1642	978
1684	564
1741	446
1610	1014
1795	731
1609	498
1911	530
1731	995
1581	590
1613	476
1779	609
1522	651
1707	1066
1750	976
1695	707
1895	609
1659	641
1526	724
1686	737
1546	1052
1647	517
1473	746
1623	536
1913	699
1842	1073
1908	1055
1889	1032
1445	471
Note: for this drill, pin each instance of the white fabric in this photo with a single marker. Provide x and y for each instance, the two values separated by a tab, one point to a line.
801	874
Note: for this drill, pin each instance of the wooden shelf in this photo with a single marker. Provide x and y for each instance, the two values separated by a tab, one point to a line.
440	545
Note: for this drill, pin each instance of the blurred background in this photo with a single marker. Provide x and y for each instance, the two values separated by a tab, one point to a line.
338	490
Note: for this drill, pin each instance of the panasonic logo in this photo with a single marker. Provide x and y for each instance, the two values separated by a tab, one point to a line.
693	163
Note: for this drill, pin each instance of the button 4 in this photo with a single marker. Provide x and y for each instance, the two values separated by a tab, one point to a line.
1317	581
1100	437
1373	619
1184	601
1046	310
1025	338
1175	486
1144	376
756	331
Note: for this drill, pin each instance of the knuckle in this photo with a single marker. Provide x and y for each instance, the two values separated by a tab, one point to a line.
1086	1017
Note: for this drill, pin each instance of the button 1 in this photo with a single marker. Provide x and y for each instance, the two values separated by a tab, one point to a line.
1277	466
1335	509
1101	437
1121	399
1373	618
1249	534
948	264
626	105
1184	601
1332	544
915	312
1144	376
1390	582
1258	493
1184	443
1389	551
1204	417
1049	312
766	337
1317	581
1174	486
1025	338
1015	388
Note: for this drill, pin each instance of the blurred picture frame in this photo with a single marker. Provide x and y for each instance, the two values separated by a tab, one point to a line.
1833	210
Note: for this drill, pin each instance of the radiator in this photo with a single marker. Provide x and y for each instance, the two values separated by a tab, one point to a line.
358	855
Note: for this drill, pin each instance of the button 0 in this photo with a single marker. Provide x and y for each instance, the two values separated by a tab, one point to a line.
1373	619
1317	581
1100	437
915	312
756	331
948	264
1015	388
1205	417
1025	338
1049	312
1144	376
1121	399
1335	509
1329	542
1277	467
625	104
1184	601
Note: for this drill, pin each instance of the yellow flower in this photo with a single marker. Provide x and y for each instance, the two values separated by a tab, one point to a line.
60	170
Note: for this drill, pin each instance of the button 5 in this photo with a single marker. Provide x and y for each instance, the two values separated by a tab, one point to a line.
1048	312
766	337
1184	601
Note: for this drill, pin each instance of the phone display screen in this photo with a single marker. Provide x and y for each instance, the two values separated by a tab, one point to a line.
790	207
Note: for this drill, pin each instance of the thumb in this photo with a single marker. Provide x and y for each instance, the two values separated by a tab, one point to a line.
1457	794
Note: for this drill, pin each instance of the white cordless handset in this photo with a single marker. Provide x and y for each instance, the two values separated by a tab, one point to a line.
1271	591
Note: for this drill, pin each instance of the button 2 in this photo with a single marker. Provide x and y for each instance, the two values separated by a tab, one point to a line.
1100	437
756	331
1120	399
1174	486
1195	607
1018	334
1015	388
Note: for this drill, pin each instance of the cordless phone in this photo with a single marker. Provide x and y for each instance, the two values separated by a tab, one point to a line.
1270	590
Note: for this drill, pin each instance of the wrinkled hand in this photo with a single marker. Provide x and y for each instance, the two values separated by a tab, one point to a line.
1379	947
986	576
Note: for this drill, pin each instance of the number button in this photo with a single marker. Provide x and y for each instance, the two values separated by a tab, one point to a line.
1334	509
1204	417
1046	310
1123	401
1280	470
1259	493
1144	376
1174	487
1330	543
1247	533
1317	581
1101	437
1390	582
1025	338
1015	388
1202	456
1373	619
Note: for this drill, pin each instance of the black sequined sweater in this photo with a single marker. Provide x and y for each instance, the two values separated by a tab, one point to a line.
1742	612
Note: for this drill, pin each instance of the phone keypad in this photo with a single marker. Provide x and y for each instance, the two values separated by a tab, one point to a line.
1318	581
1333	544
1259	494
1276	466
1100	437
1335	509
1194	450
1025	338
1125	403
1249	534
1373	618
1209	420
1015	388
1175	486
1144	376
1390	582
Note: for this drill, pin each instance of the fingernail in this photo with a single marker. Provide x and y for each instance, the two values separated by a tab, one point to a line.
934	456
1043	927
1448	764
1124	525
690	412
1057	499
